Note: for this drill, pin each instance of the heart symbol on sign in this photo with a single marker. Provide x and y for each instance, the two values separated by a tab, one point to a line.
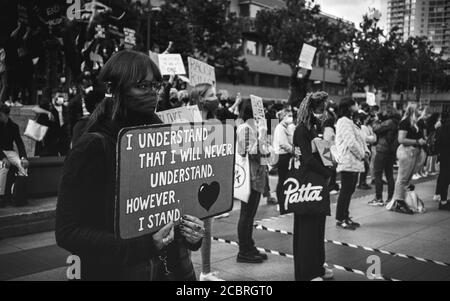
208	194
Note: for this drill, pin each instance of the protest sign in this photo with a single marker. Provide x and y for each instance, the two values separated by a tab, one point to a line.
371	99
201	73
307	56
171	64
258	107
167	171
181	115
130	37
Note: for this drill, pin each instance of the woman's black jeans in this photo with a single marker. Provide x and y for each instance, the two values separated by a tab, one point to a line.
245	224
348	185
384	162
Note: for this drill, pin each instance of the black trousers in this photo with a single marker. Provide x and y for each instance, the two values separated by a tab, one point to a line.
309	246
245	224
348	185
444	178
384	162
283	166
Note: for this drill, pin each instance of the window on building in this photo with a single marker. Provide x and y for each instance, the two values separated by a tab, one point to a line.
245	10
251	48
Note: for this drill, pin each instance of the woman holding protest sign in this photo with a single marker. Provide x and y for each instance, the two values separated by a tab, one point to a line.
250	138
204	96
85	214
309	221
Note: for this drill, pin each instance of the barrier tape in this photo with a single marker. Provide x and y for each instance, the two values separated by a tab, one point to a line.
261	227
282	254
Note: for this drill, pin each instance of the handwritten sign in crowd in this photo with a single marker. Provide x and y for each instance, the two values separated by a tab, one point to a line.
201	73
167	171
170	64
181	115
307	56
258	107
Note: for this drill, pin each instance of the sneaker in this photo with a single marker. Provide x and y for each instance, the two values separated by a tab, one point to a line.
248	258
317	279
376	203
344	225
17	104
328	274
403	208
423	174
9	103
333	192
444	206
225	215
437	198
416	177
212	276
352	223
364	186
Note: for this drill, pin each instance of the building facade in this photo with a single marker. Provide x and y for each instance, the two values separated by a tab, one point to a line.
266	78
429	18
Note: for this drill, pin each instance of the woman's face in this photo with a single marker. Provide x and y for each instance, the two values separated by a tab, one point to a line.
142	96
210	101
319	110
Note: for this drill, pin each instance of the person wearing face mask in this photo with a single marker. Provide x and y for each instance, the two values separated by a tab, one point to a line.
54	115
85	211
411	141
283	144
309	227
351	152
204	96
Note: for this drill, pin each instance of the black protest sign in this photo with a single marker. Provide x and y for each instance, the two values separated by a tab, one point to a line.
167	171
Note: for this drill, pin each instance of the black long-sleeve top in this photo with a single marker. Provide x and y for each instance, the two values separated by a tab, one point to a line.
10	134
85	216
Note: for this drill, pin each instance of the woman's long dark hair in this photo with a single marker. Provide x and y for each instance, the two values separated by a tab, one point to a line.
311	102
246	110
123	70
345	107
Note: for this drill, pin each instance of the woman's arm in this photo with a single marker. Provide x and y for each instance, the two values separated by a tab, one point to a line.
83	174
409	142
350	141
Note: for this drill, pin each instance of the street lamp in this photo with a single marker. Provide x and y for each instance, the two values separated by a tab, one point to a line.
150	9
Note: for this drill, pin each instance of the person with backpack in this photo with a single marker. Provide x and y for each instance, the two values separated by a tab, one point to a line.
386	130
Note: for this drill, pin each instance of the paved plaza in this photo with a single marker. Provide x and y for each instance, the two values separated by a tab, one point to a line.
413	247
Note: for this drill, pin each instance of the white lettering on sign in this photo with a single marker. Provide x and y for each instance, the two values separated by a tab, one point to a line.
201	73
295	193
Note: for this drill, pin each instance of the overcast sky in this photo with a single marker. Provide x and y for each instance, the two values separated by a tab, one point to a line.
353	10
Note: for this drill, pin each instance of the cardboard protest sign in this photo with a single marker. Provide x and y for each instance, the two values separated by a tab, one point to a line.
323	147
371	99
181	115
171	64
130	37
258	107
307	56
167	171
201	73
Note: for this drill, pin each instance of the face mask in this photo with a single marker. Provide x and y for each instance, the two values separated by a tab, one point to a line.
211	106
289	120
318	116
143	105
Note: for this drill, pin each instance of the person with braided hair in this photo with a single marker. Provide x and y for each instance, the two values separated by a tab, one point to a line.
309	229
